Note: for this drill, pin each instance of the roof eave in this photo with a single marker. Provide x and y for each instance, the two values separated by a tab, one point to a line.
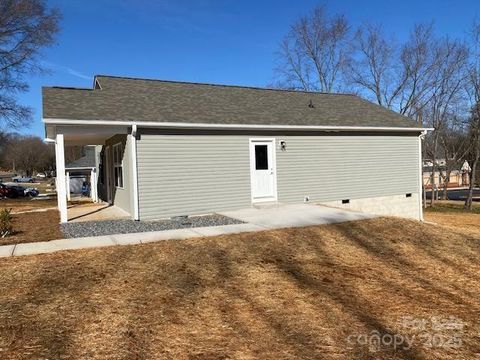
180	125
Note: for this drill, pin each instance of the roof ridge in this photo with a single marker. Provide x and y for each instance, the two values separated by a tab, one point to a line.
224	85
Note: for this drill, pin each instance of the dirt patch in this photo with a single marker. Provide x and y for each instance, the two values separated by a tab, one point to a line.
34	227
284	294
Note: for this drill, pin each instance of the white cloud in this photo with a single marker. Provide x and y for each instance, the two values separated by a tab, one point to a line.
66	69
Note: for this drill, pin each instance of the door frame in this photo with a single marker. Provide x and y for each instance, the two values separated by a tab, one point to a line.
251	142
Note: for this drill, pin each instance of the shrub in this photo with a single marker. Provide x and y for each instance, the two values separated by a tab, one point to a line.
6	222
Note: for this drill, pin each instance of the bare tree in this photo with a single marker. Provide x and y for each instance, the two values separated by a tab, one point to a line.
30	153
4	141
455	146
473	90
315	53
474	155
399	77
374	69
445	93
26	26
73	153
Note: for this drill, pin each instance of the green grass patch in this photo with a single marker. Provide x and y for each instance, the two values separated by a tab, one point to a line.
452	207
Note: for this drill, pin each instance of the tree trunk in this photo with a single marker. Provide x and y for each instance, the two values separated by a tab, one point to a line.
445	185
469	200
424	193
434	168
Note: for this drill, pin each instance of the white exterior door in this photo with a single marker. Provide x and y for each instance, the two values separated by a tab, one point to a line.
263	170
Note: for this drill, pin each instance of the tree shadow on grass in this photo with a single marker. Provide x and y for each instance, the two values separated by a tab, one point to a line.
259	294
39	322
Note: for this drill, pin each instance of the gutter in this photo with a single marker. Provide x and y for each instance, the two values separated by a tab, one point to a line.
170	125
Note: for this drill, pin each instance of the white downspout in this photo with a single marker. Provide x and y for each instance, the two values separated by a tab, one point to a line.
420	175
133	142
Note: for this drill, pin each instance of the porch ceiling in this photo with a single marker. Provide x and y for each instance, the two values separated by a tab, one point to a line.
84	134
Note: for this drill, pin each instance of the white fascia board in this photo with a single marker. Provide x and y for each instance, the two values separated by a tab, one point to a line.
227	126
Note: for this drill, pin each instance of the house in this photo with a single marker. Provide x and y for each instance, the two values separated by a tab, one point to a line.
177	148
84	169
459	176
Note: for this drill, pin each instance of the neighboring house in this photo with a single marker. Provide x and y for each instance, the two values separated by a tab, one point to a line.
459	177
84	169
177	148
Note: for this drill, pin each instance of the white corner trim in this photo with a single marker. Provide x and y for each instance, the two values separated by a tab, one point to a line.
133	142
153	124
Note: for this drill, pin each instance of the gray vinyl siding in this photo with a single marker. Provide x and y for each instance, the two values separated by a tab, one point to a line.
332	168
184	174
123	197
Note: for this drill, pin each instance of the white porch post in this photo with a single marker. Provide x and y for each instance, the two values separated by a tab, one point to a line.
61	183
93	180
69	196
133	142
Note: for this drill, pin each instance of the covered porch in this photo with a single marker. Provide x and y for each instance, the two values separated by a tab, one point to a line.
113	181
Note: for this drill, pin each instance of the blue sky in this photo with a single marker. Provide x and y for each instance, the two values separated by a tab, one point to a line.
228	41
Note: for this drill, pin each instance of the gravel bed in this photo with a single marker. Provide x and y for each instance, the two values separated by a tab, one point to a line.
110	227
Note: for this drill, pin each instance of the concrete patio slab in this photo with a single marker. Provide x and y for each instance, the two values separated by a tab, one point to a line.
6	250
95	211
294	215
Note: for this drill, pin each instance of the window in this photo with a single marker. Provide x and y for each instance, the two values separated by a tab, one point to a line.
261	157
118	164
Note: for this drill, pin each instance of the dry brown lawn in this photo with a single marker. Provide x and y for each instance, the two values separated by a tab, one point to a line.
451	214
34	227
285	294
30	222
26	204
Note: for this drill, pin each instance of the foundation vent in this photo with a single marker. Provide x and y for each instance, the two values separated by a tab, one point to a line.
346	201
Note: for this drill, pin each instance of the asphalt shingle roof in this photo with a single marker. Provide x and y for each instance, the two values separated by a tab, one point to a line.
86	161
127	99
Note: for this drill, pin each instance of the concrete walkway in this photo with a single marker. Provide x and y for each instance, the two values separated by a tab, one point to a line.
257	219
282	216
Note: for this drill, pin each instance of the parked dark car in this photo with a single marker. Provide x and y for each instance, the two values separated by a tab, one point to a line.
31	192
7	191
19	190
23	191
